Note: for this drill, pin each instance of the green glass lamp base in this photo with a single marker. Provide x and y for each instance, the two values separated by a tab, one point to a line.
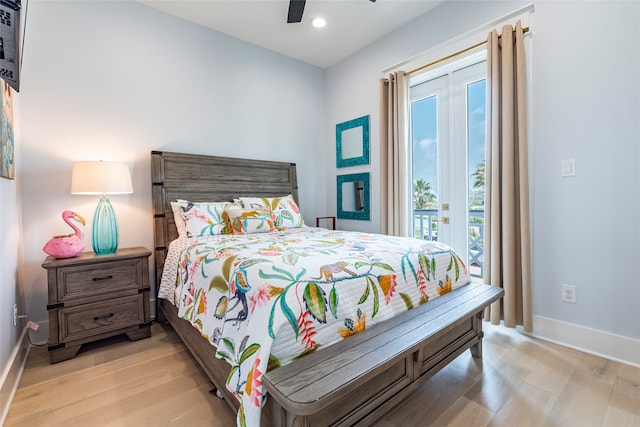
104	233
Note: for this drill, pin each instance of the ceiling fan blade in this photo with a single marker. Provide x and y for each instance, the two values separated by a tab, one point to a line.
296	8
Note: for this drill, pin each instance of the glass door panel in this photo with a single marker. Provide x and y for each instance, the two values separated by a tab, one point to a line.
447	136
428	116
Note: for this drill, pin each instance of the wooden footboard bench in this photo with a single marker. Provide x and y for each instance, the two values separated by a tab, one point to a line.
383	364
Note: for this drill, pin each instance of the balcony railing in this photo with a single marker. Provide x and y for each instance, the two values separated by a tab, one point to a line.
425	226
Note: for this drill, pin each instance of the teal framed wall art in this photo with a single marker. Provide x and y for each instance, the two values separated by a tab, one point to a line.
352	142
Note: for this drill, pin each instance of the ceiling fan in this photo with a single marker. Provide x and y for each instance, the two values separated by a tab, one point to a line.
296	9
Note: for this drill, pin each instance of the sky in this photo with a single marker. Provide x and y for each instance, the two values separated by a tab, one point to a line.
424	133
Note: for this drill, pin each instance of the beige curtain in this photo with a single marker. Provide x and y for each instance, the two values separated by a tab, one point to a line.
394	156
507	244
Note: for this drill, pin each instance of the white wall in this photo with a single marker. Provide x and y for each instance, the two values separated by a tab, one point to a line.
587	228
9	266
115	80
585	88
10	291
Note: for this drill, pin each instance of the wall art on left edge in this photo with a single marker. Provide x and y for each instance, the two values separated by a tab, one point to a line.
7	165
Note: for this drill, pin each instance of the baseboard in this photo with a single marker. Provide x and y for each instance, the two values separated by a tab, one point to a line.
600	343
12	374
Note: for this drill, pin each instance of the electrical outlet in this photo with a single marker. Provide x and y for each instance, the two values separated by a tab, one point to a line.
15	315
569	293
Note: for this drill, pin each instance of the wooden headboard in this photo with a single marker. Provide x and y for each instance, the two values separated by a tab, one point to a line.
201	178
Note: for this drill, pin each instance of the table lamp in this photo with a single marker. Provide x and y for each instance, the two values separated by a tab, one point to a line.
102	178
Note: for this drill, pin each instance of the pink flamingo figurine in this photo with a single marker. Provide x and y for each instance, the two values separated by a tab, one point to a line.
68	245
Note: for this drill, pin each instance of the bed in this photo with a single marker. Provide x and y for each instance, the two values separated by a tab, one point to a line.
305	300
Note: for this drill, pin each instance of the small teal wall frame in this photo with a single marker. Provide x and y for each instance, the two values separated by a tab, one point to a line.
364	214
342	162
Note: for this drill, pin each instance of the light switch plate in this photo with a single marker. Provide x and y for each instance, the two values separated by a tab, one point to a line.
569	167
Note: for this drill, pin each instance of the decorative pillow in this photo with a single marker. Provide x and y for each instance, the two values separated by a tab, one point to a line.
178	218
284	210
246	221
204	219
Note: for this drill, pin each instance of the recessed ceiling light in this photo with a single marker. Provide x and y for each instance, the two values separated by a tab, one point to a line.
318	22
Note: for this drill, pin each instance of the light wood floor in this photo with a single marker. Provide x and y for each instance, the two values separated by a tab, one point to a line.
153	382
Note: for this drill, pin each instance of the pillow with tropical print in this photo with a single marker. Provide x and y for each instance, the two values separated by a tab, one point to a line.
176	207
205	219
284	210
247	221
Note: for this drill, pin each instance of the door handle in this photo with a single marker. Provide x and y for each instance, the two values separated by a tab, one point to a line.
444	220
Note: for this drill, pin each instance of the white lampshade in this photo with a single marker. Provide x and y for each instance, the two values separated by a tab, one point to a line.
101	178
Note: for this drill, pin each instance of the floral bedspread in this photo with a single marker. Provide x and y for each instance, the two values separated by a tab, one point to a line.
311	287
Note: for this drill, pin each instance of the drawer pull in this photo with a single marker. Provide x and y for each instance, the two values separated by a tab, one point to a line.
103	316
95	279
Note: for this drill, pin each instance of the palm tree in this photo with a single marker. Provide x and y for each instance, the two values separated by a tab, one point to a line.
478	176
476	197
423	195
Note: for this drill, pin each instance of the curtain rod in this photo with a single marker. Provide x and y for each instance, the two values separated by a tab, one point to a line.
460	52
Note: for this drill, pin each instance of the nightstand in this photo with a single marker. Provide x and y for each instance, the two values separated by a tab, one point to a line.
97	296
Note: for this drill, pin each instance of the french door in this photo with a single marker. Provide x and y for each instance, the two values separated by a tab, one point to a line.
447	123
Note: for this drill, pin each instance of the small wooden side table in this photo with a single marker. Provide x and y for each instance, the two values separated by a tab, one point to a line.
97	296
333	222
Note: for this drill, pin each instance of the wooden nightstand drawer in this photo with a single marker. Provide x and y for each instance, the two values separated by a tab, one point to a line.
99	278
93	319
